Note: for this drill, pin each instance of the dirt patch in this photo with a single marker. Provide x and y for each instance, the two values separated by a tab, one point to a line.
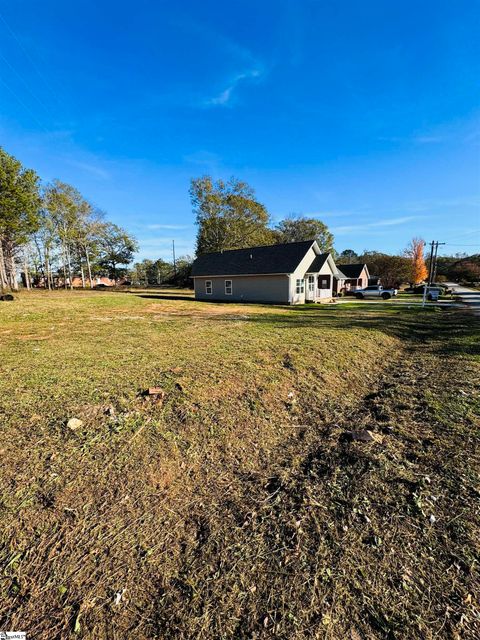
206	310
236	507
338	539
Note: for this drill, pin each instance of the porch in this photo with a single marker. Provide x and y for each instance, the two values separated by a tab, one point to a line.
318	287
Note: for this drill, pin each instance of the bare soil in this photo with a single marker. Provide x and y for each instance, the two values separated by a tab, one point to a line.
237	504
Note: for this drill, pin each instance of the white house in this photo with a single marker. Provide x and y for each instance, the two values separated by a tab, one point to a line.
291	273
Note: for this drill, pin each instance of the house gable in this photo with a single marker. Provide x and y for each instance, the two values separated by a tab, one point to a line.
323	264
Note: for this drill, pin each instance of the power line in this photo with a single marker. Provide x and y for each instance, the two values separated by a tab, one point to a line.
466	233
27	108
19	75
30	59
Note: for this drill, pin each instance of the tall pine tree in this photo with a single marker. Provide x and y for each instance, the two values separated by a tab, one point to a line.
19	214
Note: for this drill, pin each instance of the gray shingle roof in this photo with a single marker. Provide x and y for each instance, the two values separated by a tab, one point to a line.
318	263
275	258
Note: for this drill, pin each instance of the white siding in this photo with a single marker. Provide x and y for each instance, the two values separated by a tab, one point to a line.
299	272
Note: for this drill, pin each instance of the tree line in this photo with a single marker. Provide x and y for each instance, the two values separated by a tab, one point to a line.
229	216
53	234
411	266
57	238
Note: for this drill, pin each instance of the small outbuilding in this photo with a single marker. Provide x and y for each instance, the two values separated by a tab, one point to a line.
292	273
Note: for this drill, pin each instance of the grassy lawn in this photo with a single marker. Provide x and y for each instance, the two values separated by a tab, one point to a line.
400	297
418	297
413	297
235	506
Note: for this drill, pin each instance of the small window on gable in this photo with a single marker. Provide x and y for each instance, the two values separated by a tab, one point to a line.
300	286
208	287
228	287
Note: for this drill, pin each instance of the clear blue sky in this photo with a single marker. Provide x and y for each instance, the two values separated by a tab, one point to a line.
362	113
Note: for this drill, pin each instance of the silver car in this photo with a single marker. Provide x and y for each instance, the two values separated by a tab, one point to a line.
375	291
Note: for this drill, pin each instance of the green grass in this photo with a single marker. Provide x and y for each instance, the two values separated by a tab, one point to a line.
231	508
401	295
69	349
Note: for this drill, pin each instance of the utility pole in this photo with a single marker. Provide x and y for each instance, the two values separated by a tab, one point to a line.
174	261
432	268
430	264
434	275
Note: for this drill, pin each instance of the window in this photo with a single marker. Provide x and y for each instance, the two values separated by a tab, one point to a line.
324	282
228	287
208	287
300	286
311	284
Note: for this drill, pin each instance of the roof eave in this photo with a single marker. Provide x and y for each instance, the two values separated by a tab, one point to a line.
240	275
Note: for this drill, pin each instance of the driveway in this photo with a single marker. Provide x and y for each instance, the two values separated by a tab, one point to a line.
468	296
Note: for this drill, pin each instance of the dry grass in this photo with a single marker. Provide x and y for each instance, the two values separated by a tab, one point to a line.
234	508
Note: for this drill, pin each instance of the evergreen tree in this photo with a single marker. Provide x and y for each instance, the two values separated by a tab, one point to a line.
19	214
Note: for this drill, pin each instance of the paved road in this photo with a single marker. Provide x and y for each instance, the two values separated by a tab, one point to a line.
468	296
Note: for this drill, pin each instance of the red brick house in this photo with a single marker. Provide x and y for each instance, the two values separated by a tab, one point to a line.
103	280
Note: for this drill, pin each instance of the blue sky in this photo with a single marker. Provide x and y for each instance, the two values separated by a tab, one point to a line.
364	114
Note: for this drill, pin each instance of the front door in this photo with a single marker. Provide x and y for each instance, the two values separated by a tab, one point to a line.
310	295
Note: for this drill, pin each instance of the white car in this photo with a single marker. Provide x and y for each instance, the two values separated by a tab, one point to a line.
375	291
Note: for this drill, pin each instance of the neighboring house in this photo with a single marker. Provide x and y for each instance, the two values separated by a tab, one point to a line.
291	273
77	282
339	282
103	280
353	277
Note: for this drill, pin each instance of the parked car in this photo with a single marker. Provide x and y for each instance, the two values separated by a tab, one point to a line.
443	288
375	291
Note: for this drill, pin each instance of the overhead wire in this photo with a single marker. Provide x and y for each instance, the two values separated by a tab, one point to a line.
22	103
30	91
30	59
